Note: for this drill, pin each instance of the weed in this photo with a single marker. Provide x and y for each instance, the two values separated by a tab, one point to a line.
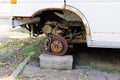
1	63
3	45
34	58
87	77
23	30
41	79
30	49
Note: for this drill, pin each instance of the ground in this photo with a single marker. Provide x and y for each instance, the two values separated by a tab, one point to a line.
32	71
89	63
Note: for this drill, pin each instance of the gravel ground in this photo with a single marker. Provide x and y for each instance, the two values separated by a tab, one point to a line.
32	71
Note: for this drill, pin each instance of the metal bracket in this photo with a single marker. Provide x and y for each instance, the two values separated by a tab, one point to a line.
23	22
64	3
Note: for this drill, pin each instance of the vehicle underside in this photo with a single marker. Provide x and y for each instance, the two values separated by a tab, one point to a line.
62	27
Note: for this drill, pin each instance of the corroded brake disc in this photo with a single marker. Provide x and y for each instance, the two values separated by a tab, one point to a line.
57	45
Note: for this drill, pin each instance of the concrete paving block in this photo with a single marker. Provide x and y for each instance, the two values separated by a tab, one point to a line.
56	62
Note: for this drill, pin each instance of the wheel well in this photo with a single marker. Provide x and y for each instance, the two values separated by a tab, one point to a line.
71	23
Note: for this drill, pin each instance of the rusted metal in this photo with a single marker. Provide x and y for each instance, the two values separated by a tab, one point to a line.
22	18
47	29
47	44
31	30
82	16
56	45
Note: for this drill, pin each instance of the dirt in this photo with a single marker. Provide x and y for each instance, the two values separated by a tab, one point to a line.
9	57
107	60
11	43
32	71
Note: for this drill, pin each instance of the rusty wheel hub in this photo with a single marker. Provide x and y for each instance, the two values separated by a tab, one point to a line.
57	45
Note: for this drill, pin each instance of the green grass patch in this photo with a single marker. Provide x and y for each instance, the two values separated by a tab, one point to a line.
34	58
11	44
23	30
1	63
3	45
32	48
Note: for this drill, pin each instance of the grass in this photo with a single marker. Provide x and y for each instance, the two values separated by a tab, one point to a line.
16	45
3	45
13	43
34	58
1	63
32	48
9	50
22	30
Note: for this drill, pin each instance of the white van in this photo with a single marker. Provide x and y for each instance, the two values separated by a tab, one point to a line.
95	22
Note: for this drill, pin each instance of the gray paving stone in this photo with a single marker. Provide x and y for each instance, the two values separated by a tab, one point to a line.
56	62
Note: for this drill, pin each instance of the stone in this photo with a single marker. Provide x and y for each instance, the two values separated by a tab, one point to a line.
56	62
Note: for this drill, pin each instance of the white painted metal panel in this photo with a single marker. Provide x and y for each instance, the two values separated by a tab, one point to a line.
28	7
103	17
39	1
92	1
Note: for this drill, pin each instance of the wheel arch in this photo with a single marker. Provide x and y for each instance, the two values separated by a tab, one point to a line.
78	13
82	16
46	9
84	20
